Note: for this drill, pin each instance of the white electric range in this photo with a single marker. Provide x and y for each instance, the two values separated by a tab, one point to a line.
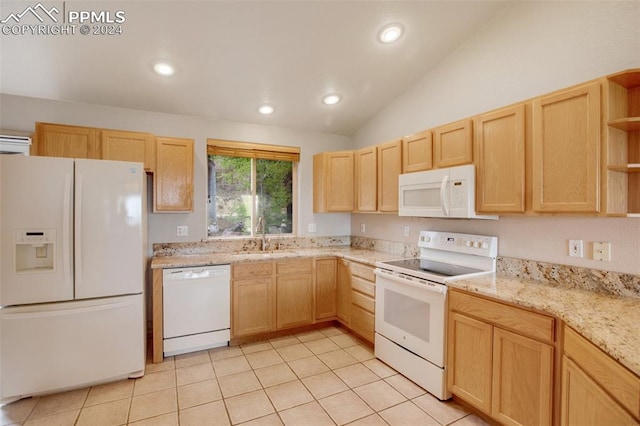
411	301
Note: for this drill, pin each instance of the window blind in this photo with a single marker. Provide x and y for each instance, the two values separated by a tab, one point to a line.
253	150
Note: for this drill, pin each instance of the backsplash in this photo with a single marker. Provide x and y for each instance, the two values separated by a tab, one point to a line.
230	245
596	280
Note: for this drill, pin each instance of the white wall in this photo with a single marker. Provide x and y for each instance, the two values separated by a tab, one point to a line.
20	113
531	49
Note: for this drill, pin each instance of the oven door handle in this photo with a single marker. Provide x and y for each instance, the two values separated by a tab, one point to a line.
400	279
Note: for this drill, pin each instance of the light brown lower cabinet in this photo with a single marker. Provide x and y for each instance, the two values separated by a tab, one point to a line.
294	293
253	298
325	288
585	403
272	295
362	300
497	362
596	390
343	292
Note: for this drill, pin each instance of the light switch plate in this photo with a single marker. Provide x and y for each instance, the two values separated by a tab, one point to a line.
312	227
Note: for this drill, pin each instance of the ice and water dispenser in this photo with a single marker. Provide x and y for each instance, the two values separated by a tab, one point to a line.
35	249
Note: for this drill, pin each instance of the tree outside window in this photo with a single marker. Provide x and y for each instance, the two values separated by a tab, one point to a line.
242	189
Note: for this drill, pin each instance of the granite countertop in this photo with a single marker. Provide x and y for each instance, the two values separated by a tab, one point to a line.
369	257
612	323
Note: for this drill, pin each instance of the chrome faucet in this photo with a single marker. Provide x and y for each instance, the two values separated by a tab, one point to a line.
261	228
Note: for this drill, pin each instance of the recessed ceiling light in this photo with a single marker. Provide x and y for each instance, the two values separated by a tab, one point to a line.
163	68
266	109
331	99
390	33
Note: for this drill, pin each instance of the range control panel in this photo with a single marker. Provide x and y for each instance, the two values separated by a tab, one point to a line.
480	245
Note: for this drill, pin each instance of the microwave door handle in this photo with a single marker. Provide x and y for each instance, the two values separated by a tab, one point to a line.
444	195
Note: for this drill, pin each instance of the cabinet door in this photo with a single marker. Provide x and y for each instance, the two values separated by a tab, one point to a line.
389	164
363	323
584	403
469	352
294	300
366	162
333	182
253	306
566	151
453	144
522	380
326	270
129	146
343	293
417	152
58	140
500	161
173	180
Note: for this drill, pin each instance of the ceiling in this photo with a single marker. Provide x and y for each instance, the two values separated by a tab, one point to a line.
232	56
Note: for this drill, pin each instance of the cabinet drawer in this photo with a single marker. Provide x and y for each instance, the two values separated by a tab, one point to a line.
363	301
614	378
508	317
252	269
363	286
362	322
287	267
362	271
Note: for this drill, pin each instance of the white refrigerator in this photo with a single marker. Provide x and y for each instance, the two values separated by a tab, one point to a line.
72	252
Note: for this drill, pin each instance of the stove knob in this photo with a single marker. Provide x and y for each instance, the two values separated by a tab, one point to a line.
485	245
476	244
427	239
467	243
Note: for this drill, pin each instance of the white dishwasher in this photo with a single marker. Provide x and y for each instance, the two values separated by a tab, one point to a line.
196	306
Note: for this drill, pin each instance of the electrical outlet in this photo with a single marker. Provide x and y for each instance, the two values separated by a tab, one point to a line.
602	251
363	228
182	231
312	227
575	248
406	231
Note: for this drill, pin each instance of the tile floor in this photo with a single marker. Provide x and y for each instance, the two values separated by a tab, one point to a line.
323	377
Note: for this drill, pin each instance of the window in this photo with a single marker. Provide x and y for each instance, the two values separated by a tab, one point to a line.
247	181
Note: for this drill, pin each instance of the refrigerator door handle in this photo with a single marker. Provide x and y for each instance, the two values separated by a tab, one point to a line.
77	231
66	231
65	312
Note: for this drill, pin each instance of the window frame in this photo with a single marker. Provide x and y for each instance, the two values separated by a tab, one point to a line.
256	151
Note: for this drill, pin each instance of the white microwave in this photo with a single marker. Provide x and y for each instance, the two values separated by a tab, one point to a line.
14	145
444	193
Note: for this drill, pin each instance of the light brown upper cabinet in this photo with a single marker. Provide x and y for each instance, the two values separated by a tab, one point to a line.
59	140
417	152
366	162
500	160
173	179
129	146
566	151
389	166
453	144
623	144
333	182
